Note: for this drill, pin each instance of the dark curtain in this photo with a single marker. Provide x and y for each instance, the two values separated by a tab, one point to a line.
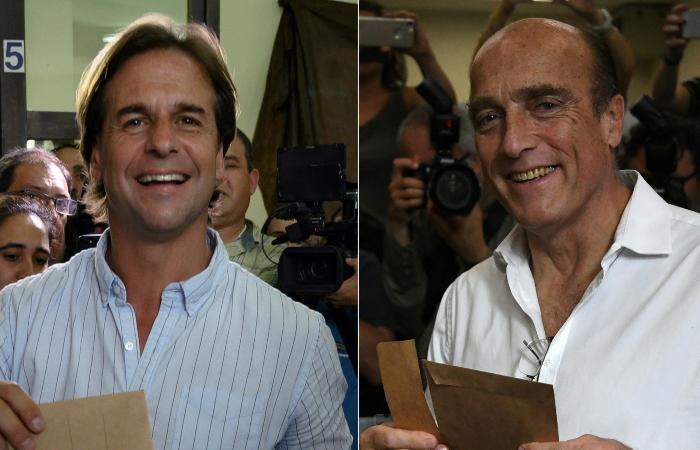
311	91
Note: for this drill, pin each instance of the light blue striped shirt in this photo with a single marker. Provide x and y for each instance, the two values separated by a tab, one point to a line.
229	363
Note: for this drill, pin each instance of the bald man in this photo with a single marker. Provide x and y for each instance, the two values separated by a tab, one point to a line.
598	278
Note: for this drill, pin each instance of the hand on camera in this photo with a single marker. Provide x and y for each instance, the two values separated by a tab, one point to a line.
406	194
385	437
346	295
20	417
673	32
464	234
585	442
421	46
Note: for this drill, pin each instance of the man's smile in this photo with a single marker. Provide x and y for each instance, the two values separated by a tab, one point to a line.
162	178
532	174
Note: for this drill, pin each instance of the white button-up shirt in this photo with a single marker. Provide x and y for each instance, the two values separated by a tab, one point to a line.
626	363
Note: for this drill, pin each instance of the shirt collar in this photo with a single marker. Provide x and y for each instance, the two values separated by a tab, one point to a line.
644	228
247	240
193	291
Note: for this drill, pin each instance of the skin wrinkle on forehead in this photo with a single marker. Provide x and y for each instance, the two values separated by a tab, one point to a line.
546	35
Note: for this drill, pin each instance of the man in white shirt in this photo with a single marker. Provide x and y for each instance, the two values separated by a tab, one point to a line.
599	276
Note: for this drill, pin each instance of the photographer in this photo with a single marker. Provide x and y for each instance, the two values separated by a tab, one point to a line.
384	101
683	98
426	249
681	186
598	19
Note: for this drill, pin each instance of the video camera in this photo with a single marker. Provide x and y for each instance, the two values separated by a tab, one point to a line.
307	177
662	152
451	184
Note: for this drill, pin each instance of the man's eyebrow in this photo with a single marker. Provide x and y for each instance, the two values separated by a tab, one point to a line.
233	158
13	245
190	108
542	90
480	103
43	250
132	109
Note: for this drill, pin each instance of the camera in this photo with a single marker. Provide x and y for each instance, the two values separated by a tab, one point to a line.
662	152
306	178
450	183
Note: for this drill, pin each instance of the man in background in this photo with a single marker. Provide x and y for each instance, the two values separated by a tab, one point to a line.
39	173
244	241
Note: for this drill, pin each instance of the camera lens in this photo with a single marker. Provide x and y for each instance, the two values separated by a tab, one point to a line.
453	189
319	270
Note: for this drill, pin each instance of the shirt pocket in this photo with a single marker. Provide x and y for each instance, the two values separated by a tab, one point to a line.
209	418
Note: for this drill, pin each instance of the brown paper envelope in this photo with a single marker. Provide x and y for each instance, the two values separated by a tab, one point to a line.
398	364
108	422
480	410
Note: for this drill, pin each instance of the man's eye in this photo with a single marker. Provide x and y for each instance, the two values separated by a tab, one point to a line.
10	257
41	261
546	106
187	120
133	123
485	119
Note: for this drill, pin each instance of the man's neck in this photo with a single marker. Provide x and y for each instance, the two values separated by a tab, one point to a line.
566	259
230	232
567	248
147	266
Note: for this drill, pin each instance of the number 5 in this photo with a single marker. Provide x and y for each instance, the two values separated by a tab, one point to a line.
13	56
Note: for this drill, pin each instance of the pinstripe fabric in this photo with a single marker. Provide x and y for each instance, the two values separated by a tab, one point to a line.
230	362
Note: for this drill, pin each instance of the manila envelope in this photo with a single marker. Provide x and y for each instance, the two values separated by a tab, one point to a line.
107	422
474	410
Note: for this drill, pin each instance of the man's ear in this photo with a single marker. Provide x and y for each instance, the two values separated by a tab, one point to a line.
253	178
96	161
612	121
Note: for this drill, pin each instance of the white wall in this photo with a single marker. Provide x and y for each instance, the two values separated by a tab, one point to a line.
248	38
454	34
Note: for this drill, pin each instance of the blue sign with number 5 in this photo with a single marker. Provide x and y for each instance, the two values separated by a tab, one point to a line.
13	55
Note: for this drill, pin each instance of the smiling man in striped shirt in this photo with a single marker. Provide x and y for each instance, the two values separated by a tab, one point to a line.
225	360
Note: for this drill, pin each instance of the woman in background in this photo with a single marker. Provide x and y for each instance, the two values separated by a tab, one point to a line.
27	230
384	101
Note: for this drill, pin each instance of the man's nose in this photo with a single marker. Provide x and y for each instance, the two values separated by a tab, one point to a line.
162	137
24	269
519	135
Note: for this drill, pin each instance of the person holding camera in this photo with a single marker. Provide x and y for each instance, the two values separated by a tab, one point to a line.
600	274
684	98
426	248
598	19
384	101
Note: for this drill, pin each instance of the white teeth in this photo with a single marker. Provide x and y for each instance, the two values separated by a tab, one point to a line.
162	178
532	174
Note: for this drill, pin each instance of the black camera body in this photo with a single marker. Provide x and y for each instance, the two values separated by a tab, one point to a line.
662	152
307	177
450	183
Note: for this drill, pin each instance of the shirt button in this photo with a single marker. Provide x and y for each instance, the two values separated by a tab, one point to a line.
129	346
